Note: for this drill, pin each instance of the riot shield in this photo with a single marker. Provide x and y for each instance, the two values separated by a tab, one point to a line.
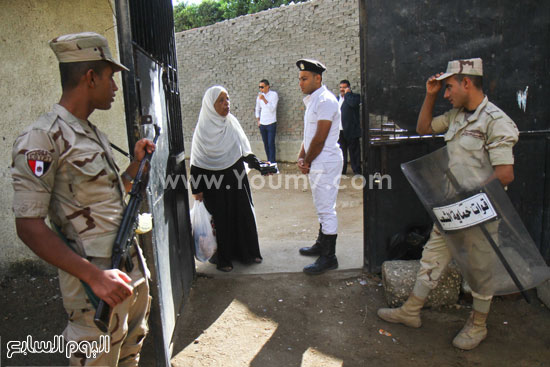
486	237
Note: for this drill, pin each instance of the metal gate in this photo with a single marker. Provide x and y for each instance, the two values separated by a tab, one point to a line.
147	47
403	42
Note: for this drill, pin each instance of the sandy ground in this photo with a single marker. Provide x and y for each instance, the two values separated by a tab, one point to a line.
297	320
272	315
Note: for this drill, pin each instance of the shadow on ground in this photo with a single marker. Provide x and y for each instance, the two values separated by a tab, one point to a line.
330	320
293	320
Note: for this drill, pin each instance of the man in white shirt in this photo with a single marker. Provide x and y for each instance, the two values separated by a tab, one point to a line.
266	114
321	158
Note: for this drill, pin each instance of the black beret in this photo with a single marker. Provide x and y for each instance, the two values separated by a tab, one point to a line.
310	65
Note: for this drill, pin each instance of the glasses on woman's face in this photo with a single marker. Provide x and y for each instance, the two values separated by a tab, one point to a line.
261	87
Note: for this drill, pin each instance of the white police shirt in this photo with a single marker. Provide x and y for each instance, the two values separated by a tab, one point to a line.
323	105
267	112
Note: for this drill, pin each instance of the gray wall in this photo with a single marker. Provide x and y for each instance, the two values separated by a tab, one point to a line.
238	53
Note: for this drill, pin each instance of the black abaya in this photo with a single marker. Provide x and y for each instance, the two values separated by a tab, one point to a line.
227	196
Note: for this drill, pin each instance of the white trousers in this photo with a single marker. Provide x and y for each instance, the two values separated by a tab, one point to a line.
324	179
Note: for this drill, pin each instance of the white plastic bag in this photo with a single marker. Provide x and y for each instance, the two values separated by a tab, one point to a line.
203	232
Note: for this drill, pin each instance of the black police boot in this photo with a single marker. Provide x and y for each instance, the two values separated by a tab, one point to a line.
327	260
314	250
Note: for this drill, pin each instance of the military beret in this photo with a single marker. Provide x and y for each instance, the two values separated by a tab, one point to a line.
85	46
311	65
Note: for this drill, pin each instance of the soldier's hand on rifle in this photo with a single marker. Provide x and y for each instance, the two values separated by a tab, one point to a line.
143	146
433	86
111	286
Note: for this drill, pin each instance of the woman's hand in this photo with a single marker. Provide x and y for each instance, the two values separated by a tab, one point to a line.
252	161
198	196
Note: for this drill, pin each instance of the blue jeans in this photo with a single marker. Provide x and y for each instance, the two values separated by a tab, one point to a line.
268	136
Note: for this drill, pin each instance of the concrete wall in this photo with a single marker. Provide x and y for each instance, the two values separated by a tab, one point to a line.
238	53
30	85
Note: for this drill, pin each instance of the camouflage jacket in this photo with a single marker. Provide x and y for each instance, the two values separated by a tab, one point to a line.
63	168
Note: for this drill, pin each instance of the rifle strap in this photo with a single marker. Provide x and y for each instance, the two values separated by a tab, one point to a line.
94	300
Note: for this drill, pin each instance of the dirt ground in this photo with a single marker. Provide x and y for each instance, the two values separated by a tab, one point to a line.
284	319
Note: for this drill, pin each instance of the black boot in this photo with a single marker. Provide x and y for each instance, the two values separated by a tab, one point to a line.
314	250
327	260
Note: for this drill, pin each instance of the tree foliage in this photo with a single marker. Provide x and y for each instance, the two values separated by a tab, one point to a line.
188	16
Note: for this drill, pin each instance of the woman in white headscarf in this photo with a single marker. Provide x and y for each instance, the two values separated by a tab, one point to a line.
218	177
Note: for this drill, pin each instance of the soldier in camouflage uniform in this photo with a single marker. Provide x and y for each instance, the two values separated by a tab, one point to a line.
63	168
473	128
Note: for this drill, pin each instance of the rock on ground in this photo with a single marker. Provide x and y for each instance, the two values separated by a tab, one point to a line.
399	276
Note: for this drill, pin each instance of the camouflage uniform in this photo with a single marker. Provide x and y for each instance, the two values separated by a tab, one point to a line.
486	131
63	168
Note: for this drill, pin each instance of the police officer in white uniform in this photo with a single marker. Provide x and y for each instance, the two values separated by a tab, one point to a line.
321	159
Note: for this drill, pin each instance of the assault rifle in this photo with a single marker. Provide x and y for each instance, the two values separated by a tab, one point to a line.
125	235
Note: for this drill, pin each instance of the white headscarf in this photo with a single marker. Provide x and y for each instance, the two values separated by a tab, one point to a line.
218	141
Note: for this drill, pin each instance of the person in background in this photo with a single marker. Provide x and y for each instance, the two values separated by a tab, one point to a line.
266	115
350	130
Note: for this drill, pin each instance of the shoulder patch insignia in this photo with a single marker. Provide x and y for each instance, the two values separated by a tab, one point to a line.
39	161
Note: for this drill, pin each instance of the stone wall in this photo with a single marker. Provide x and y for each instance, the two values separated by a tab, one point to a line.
238	53
30	85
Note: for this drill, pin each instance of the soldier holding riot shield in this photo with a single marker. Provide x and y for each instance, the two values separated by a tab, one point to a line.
480	138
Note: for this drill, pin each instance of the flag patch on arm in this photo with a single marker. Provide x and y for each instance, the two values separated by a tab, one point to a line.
39	161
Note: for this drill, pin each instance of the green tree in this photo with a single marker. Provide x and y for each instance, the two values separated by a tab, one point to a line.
235	8
182	19
193	15
259	5
212	11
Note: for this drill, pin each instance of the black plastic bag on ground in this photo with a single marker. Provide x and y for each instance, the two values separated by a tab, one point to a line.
408	244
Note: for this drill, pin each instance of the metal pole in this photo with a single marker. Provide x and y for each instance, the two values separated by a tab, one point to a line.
369	252
131	100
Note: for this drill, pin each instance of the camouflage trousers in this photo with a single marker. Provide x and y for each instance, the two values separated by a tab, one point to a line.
127	329
437	255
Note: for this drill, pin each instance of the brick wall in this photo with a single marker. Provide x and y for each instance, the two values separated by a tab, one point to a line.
238	53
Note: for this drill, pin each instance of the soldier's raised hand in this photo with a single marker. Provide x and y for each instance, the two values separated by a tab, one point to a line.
433	86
